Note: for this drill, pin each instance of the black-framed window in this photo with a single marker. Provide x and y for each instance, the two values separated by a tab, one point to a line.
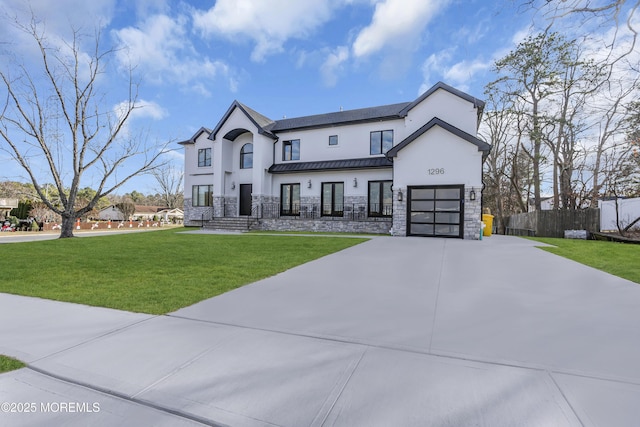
202	195
246	156
204	157
332	198
381	141
333	139
291	150
380	198
289	199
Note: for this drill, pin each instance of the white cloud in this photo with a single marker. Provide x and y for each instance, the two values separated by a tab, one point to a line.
333	64
432	68
462	72
269	24
394	22
161	49
143	109
54	22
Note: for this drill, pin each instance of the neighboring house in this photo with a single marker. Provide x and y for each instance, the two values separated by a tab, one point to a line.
628	210
111	213
413	168
546	204
6	205
141	213
171	215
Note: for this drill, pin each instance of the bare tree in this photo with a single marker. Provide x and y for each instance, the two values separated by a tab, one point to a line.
530	75
91	143
169	181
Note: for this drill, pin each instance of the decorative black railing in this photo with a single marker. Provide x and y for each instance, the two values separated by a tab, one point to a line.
347	211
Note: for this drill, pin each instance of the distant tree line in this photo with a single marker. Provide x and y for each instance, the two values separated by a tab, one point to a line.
30	204
564	122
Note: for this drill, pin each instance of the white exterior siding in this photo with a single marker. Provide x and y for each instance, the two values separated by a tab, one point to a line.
452	109
353	141
423	161
195	175
435	132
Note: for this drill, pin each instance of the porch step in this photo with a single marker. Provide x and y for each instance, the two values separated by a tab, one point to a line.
229	224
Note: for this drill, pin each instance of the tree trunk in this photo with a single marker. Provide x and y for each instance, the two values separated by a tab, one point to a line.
68	223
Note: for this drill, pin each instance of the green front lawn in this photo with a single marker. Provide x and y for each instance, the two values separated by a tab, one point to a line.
154	272
620	259
9	364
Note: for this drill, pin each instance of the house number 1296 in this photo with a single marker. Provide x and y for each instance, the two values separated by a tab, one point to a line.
436	171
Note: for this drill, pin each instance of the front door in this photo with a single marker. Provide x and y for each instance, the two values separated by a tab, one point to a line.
245	199
436	211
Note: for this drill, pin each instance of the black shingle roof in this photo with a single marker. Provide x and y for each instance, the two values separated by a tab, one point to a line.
365	163
383	112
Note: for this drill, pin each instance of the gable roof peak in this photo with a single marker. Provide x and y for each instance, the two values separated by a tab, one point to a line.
196	135
261	122
477	103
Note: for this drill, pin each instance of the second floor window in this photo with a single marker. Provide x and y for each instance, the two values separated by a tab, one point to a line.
204	157
291	150
381	141
246	156
333	140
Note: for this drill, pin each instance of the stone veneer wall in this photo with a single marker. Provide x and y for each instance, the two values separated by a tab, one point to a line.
193	214
218	206
399	213
337	225
472	214
375	226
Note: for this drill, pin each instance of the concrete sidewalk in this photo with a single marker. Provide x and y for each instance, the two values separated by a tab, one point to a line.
395	331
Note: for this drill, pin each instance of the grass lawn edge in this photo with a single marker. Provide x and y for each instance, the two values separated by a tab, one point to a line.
8	364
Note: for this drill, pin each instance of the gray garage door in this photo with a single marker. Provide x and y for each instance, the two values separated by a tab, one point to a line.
435	211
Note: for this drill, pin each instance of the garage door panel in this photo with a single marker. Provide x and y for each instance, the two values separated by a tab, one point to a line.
448	193
449	218
447	230
422	229
447	205
424	193
421	205
435	211
423	217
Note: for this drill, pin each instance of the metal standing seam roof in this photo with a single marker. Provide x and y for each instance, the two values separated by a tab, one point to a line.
363	163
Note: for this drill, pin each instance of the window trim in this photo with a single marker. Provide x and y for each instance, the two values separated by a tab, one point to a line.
244	154
336	139
202	163
380	202
290	143
195	196
382	150
334	212
292	211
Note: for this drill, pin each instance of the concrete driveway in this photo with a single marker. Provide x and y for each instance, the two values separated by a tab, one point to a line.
392	332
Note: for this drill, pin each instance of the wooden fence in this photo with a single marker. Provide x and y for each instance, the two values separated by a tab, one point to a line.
553	223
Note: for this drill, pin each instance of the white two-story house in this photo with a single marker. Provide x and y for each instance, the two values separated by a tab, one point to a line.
413	168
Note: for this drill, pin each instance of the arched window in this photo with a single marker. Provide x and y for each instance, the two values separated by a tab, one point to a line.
246	156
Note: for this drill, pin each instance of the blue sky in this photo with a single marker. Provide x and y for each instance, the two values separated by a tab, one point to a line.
282	57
